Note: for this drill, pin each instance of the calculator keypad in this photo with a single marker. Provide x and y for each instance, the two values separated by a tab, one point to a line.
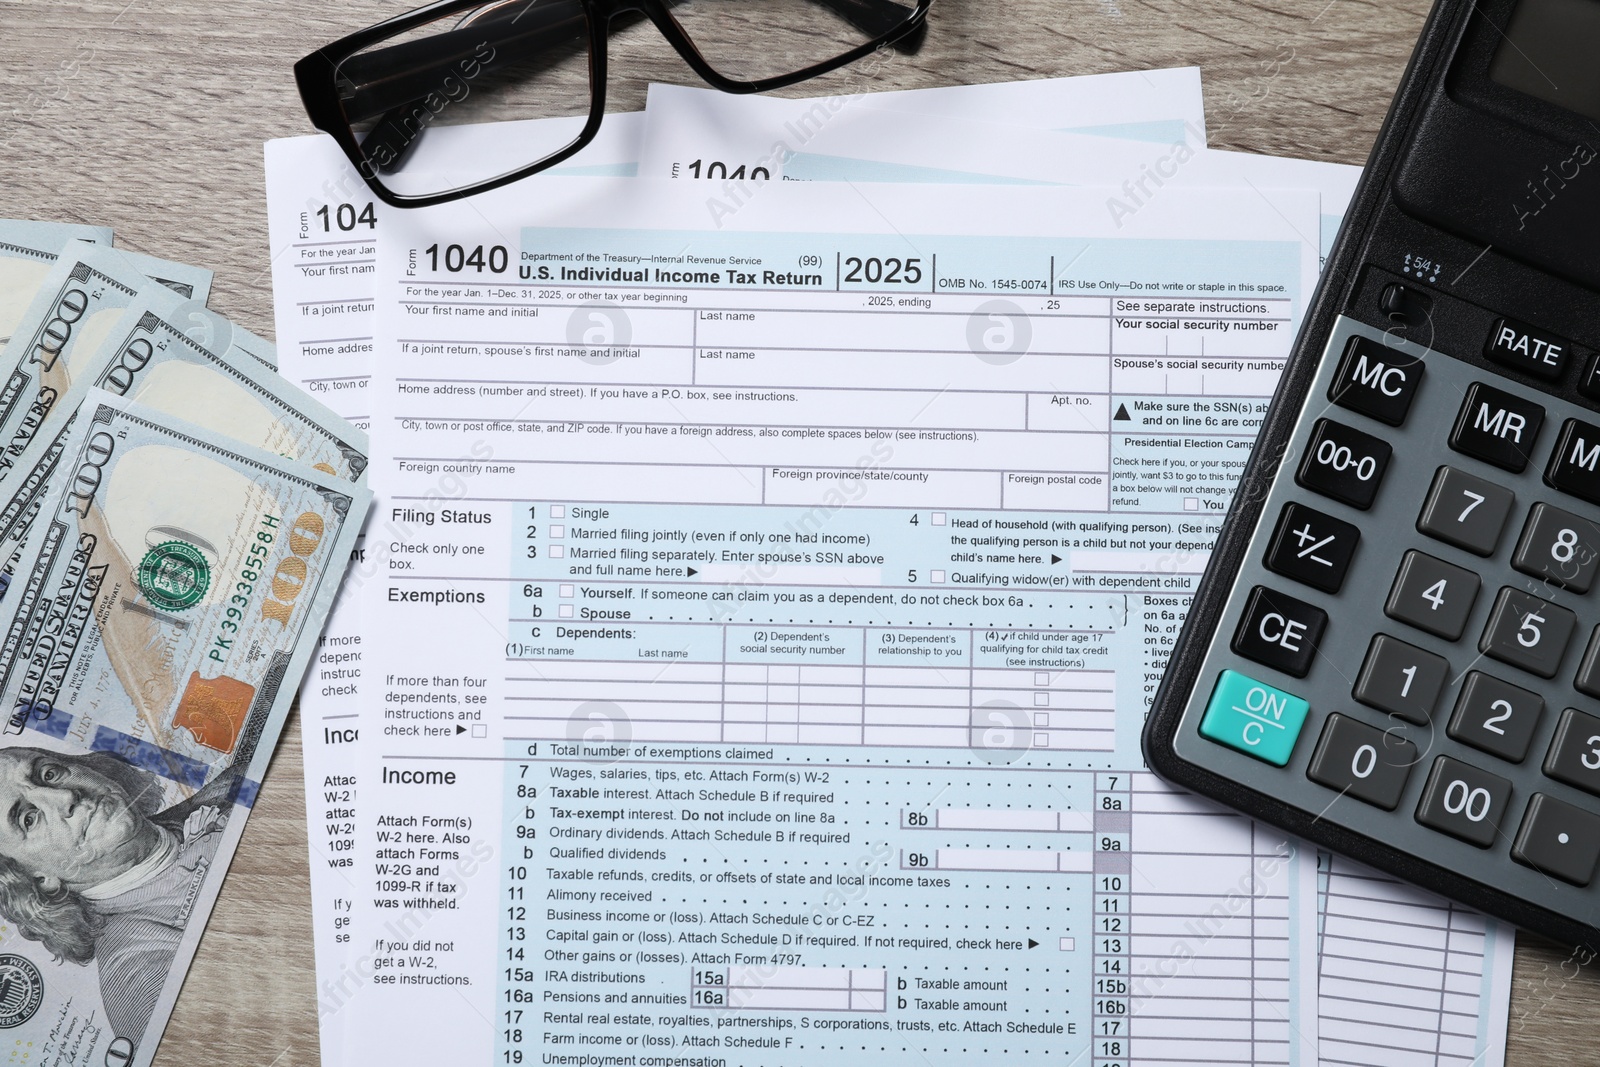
1588	680
1558	838
1313	548
1430	547
1559	546
1496	717
1280	631
1574	755
1575	463
1362	761
1528	349
1401	679
1254	718
1527	632
1377	380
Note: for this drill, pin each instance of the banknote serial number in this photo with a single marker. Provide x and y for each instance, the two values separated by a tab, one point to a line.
255	561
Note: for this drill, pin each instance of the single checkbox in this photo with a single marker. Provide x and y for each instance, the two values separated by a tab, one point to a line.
569	590
566	611
938	577
558	511
1041	700
557	532
558	552
938	518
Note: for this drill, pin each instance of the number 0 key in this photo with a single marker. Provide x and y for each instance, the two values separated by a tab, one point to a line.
1363	761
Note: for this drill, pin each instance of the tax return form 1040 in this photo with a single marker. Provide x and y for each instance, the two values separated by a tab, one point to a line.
324	230
325	227
765	616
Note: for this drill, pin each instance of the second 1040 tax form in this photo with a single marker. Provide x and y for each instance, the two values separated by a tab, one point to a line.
761	617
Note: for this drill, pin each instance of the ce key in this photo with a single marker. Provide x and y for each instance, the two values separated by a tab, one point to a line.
1280	631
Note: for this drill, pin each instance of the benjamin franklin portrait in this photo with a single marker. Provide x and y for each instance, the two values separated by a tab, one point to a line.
93	871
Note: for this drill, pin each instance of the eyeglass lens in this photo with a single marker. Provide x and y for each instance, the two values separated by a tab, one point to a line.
514	60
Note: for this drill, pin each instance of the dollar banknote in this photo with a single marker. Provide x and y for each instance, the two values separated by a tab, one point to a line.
25	268
79	305
163	620
152	356
27	252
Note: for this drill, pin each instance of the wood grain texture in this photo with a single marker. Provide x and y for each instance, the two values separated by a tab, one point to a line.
149	115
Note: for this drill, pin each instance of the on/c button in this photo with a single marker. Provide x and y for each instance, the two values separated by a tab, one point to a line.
1254	718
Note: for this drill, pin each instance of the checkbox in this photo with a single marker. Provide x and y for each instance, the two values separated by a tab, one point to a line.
1191	503
938	577
1041	718
558	552
558	511
557	532
568	590
938	518
1039	677
1041	740
480	729
566	611
1041	700
1068	944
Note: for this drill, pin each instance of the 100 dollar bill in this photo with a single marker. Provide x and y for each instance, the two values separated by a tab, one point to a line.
160	624
147	358
27	252
79	310
76	304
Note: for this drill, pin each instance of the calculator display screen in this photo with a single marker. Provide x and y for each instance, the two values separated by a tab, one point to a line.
1552	51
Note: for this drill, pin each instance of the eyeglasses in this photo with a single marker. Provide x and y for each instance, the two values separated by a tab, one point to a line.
391	94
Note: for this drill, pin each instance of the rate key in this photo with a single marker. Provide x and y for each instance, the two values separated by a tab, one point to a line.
1522	347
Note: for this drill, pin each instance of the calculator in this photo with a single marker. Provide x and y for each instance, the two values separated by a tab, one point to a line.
1394	650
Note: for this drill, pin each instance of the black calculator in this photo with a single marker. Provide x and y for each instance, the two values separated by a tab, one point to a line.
1394	651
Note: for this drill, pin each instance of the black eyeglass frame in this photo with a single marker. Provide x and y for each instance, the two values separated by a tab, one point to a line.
316	76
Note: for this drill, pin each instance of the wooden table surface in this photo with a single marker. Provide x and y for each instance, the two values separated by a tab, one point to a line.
149	115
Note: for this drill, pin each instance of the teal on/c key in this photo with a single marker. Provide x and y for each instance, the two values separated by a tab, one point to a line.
1254	718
